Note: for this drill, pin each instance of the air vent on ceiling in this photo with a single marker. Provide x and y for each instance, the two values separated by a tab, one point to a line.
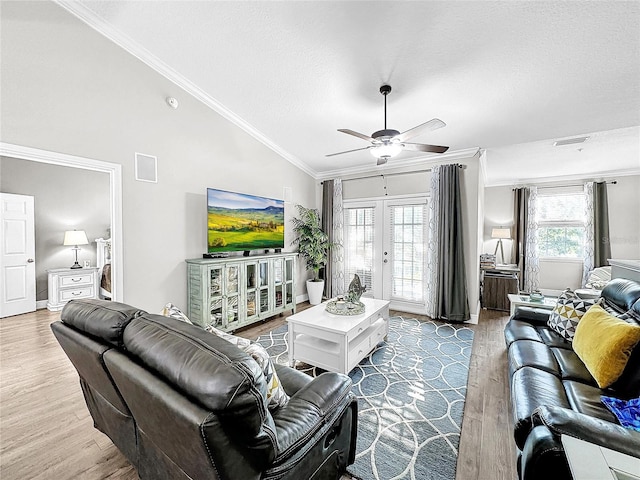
569	141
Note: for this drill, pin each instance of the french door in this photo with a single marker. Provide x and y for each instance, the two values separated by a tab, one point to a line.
386	245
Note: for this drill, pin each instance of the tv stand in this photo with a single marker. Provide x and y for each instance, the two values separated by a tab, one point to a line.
234	292
246	253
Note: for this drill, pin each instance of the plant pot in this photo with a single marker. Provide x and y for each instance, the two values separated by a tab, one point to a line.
315	289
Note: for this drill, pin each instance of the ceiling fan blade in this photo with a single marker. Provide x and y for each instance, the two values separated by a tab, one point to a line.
432	124
356	134
381	161
419	147
347	151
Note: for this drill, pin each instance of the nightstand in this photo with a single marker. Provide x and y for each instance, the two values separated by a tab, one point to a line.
66	284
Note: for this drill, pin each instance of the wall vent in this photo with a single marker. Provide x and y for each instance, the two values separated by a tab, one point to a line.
146	168
569	141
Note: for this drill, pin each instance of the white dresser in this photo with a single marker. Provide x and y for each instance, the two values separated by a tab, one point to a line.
66	284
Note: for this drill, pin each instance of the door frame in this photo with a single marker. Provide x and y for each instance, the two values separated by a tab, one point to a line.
114	171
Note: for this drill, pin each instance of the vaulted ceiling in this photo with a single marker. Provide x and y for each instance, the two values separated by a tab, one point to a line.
508	77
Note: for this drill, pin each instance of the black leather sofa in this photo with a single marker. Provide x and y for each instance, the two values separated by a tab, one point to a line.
553	393
181	403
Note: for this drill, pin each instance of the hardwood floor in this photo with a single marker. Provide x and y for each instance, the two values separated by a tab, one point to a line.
46	431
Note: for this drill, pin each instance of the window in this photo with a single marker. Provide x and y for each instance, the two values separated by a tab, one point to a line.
407	240
359	236
561	225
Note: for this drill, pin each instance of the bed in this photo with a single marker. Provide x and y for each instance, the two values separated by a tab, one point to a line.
103	260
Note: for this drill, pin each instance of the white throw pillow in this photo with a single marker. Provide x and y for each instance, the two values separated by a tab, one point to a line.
170	310
276	395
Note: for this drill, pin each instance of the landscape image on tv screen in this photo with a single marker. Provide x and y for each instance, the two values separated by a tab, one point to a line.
236	222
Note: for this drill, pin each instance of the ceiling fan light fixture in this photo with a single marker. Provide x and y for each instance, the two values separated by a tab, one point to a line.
389	150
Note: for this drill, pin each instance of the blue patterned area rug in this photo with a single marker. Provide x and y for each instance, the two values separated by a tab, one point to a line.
411	391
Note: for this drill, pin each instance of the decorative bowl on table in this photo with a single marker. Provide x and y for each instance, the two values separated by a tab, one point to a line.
343	307
536	297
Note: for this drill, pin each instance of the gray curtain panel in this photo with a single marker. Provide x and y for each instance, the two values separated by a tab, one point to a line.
602	245
327	227
519	233
452	302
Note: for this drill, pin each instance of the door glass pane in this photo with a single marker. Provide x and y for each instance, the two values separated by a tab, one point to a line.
408	224
264	300
216	312
359	233
232	279
215	283
251	275
251	304
277	270
264	274
278	296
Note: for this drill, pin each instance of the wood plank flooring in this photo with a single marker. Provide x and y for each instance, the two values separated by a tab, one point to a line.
46	431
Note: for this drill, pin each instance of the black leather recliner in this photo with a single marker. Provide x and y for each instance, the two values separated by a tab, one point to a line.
181	403
553	393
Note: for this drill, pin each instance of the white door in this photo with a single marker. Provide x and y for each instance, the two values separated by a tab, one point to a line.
17	255
386	245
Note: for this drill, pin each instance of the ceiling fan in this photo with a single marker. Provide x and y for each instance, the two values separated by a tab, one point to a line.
388	143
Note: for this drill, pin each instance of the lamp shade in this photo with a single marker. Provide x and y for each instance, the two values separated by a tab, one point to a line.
500	232
75	237
386	150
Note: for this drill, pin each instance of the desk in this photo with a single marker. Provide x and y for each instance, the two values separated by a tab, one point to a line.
496	284
590	462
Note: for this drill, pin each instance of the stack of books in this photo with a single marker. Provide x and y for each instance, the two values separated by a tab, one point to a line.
487	261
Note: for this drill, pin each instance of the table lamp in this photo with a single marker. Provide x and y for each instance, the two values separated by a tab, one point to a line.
500	233
75	238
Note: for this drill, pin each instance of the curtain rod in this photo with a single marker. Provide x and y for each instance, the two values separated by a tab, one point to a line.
394	174
614	182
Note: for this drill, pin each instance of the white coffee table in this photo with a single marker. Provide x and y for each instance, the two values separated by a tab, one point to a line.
517	299
337	342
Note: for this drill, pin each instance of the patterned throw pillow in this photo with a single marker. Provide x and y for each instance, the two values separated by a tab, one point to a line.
170	310
567	313
276	395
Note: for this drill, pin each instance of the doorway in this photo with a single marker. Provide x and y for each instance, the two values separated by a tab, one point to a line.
115	197
386	245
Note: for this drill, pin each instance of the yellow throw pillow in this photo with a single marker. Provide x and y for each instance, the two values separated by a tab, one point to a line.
604	343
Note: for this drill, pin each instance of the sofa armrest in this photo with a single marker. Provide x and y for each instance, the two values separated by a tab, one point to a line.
535	316
563	421
543	457
313	407
291	379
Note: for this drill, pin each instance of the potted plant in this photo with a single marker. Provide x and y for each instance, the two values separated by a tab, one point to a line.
313	246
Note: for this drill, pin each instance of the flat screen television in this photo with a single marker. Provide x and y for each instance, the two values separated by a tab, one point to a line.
241	222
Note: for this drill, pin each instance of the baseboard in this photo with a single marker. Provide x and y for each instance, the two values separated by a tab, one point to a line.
302	298
475	317
40	304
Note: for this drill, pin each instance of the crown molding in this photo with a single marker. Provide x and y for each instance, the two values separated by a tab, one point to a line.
129	45
419	162
566	178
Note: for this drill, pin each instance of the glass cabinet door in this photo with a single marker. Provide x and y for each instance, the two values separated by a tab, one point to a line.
251	279
263	285
289	267
232	294
215	297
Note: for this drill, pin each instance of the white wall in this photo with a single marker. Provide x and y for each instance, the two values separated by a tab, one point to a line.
624	229
65	199
67	89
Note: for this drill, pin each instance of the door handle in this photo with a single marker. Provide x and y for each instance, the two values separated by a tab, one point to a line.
30	260
385	261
